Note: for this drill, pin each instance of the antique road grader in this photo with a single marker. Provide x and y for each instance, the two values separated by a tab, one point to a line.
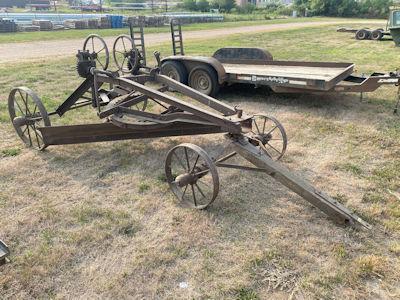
122	101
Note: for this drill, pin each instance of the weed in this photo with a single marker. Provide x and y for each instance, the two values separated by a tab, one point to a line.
246	294
143	187
11	152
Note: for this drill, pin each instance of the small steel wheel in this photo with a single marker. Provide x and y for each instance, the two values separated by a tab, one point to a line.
126	57
192	176
205	80
98	49
27	114
269	135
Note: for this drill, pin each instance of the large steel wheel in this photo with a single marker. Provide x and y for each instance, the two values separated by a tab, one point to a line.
27	114
269	136
192	176
98	49
126	56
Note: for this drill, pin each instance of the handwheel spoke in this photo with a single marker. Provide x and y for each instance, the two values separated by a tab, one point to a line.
201	172
100	62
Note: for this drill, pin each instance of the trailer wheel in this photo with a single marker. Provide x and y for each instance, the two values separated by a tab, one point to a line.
363	34
175	70
377	35
205	80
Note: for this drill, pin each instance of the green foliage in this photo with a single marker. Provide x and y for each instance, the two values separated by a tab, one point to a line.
224	5
202	5
11	152
344	8
189	4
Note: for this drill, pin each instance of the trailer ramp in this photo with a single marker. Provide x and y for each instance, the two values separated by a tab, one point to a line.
329	206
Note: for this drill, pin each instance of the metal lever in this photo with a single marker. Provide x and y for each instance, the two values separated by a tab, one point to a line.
158	59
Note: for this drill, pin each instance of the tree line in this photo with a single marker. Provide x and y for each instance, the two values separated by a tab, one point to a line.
344	8
331	8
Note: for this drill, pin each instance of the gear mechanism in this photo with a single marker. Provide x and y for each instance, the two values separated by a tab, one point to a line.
85	63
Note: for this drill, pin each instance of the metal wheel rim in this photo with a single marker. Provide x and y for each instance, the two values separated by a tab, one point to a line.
196	189
28	106
172	73
126	43
86	45
201	81
274	150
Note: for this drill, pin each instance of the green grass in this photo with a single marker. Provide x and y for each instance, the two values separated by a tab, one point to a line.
101	217
81	34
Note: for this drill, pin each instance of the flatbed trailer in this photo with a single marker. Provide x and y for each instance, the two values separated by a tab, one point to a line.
257	67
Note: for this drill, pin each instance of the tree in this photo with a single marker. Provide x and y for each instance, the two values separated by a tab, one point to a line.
203	5
190	4
225	5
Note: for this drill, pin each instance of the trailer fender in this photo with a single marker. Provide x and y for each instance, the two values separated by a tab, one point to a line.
191	62
240	55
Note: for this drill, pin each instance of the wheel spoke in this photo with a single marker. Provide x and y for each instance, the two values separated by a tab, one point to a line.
93	44
19	107
187	159
194	195
183	195
274	148
258	129
272	130
29	135
100	62
195	163
123	43
201	172
265	121
201	192
179	161
101	50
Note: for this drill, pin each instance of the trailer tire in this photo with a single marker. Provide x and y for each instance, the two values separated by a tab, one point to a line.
175	70
205	80
377	35
363	34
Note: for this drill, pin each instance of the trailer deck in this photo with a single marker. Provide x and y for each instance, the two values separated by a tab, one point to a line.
311	75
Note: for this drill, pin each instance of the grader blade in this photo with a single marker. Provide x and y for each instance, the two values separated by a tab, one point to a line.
329	206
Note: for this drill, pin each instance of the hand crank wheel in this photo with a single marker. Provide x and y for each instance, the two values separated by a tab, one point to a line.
98	49
27	113
125	54
192	176
269	135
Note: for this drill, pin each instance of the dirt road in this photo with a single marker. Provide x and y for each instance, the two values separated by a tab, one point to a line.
32	50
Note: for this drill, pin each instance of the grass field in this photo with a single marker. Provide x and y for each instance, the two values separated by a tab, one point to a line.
81	34
98	220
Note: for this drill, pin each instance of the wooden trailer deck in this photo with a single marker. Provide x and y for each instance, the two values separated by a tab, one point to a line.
309	75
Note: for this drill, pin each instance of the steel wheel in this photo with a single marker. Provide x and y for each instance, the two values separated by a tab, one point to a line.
27	113
98	50
269	135
125	55
192	176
